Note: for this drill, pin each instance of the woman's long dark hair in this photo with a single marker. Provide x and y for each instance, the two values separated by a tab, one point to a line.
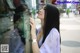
51	19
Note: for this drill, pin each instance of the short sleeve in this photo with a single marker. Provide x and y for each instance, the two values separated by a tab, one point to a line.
52	42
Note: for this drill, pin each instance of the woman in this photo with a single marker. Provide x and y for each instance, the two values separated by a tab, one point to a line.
48	38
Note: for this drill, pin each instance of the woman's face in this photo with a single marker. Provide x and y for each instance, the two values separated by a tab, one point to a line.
41	14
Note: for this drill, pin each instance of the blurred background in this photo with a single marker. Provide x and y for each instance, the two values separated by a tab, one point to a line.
12	17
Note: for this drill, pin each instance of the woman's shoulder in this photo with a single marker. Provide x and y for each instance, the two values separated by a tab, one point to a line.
54	33
54	30
52	37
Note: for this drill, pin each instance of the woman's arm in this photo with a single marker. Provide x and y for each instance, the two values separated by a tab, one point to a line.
35	47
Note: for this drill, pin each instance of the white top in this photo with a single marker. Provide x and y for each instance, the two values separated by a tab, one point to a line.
52	42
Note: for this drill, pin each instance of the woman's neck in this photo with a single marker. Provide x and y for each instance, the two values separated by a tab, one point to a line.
42	23
41	31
